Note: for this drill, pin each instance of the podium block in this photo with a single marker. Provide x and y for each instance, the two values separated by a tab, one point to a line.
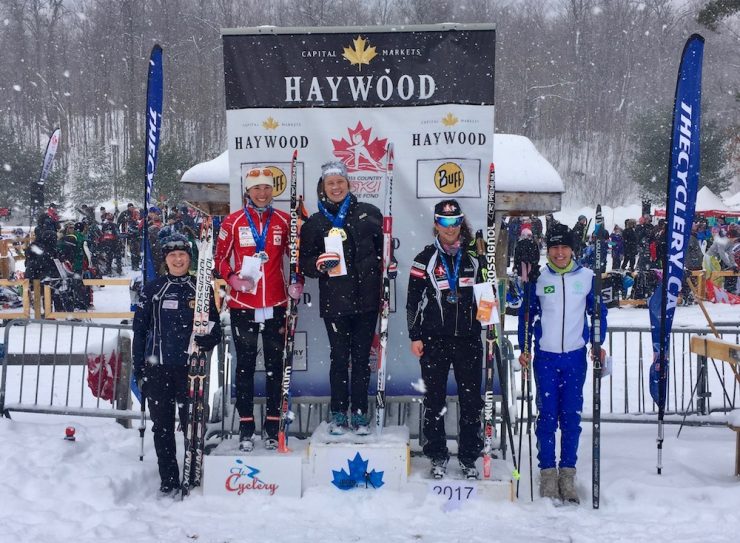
349	461
230	473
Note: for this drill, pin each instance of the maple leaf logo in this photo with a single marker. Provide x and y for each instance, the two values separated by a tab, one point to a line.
449	120
270	124
359	151
358	475
360	53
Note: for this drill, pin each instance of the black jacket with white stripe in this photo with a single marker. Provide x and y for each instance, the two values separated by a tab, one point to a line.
428	310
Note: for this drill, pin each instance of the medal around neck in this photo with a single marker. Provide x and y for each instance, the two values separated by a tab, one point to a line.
340	232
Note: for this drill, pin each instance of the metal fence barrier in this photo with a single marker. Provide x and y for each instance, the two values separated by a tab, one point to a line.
47	365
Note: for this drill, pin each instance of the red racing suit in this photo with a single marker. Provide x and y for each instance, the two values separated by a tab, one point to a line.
235	241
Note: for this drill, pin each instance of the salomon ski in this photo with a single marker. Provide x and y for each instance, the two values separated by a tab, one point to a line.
596	350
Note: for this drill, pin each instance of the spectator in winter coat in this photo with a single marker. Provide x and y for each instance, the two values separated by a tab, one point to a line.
631	245
348	302
694	258
163	326
514	228
562	298
257	300
441	315
579	236
616	242
536	229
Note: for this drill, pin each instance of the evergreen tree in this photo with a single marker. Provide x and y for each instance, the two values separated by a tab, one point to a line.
92	181
652	138
172	162
20	167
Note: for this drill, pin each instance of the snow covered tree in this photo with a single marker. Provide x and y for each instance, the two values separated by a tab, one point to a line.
652	136
172	161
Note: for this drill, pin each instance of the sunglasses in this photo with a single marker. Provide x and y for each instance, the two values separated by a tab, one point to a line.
449	221
176	246
256	172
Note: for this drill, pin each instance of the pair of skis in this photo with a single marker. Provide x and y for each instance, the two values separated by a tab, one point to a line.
389	271
493	349
297	215
197	364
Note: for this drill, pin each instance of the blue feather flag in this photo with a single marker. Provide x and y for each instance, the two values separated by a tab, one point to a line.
683	177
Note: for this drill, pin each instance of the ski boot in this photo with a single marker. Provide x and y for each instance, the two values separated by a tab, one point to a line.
338	425
169	489
439	467
469	470
269	442
360	424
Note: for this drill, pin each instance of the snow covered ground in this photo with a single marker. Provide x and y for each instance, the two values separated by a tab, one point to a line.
95	489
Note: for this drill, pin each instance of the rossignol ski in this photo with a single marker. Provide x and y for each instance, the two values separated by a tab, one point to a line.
291	315
389	271
596	350
197	364
493	350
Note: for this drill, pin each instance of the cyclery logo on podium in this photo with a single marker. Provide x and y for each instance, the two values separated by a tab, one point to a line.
358	475
243	478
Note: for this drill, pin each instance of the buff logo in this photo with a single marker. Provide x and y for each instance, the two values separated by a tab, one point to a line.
449	178
279	181
243	478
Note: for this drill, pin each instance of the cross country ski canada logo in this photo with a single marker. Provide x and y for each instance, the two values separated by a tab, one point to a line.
364	154
358	476
243	478
449	177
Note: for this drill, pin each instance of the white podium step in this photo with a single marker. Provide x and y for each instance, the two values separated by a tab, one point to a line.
349	461
229	472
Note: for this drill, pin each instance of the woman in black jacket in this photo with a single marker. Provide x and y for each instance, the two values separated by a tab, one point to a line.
348	302
441	314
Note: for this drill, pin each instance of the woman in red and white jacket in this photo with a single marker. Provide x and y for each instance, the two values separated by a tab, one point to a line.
249	255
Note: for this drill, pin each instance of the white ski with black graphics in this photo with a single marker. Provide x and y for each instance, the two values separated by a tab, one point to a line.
197	363
389	271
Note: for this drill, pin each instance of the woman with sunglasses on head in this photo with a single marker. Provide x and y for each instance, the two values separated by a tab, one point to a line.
349	289
163	325
249	256
441	315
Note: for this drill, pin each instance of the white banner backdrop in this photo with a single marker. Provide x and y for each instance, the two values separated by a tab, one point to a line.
428	91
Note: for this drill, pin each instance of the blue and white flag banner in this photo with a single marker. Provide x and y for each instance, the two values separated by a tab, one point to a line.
154	92
683	181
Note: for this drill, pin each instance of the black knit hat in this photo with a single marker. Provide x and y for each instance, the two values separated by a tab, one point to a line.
559	234
175	242
448	208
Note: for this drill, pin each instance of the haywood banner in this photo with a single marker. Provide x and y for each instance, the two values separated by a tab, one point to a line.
344	94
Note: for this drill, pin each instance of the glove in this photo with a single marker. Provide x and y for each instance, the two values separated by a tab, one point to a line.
327	261
140	379
206	341
241	284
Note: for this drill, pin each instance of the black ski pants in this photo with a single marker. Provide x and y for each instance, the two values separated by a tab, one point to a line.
166	387
350	339
465	355
245	332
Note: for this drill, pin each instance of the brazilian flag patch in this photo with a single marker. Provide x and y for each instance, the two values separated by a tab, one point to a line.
550	289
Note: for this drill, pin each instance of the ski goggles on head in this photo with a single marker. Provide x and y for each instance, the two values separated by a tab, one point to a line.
256	172
177	245
447	222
